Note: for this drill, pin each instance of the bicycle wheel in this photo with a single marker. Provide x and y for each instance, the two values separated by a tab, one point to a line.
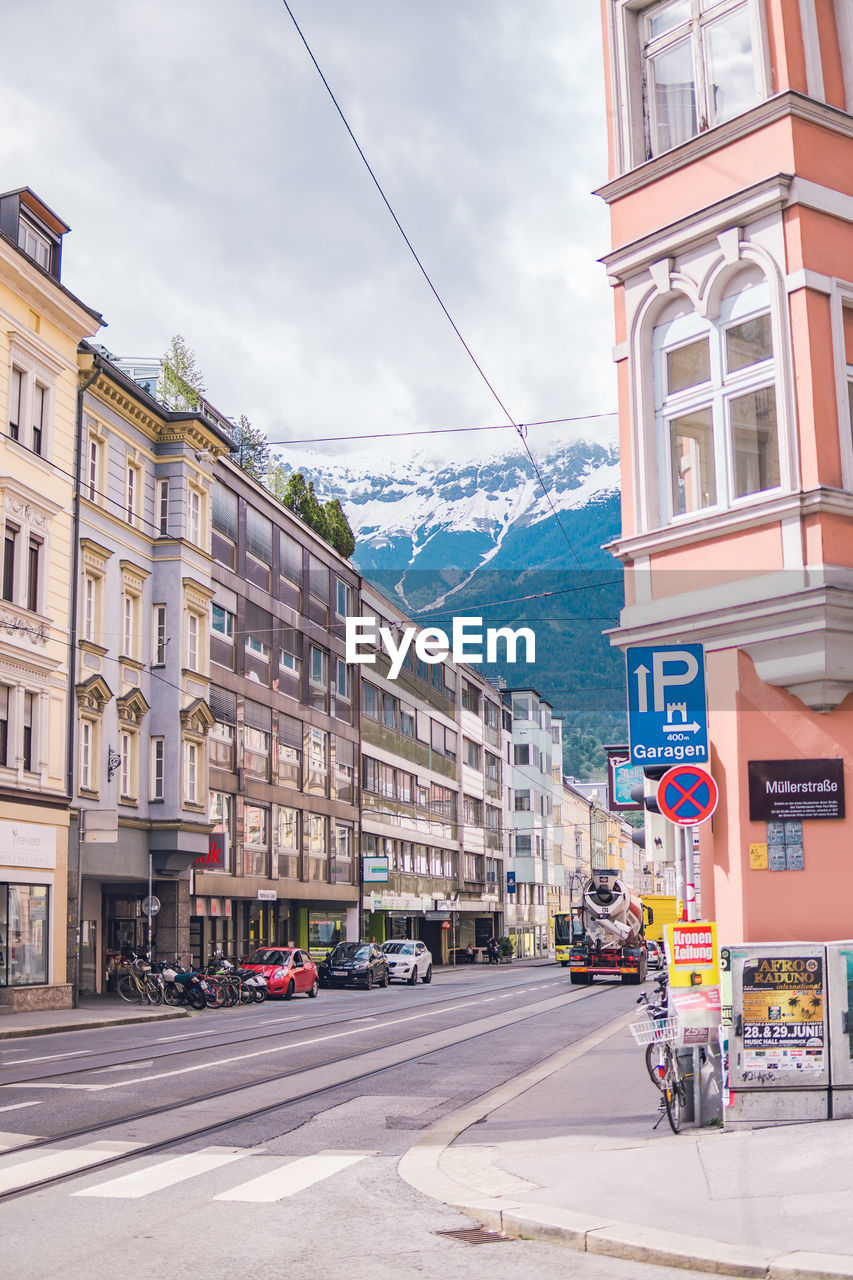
129	989
153	991
656	1063
674	1096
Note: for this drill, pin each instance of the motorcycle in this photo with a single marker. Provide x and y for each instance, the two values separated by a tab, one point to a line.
184	987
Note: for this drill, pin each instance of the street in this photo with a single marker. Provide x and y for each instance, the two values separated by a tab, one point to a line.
269	1136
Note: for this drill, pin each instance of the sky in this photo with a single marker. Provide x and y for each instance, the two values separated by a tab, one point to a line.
213	191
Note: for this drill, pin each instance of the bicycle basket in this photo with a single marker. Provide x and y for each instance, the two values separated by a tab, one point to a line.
648	1032
141	966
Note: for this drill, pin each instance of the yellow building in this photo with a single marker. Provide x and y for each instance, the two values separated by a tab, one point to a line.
42	324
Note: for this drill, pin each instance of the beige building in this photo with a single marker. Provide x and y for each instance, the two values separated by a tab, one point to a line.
42	323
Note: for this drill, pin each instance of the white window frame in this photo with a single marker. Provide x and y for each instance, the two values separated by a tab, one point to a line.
193	630
227	635
87	755
127	790
90	606
131	492
628	73
157	779
35	243
163	507
717	393
195	501
159	636
128	624
191	787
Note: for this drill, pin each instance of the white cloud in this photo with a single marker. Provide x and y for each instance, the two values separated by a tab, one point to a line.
212	190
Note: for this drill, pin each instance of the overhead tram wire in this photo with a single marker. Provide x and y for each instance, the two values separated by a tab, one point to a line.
437	431
521	430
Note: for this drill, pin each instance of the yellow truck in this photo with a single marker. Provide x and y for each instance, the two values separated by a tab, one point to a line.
664	911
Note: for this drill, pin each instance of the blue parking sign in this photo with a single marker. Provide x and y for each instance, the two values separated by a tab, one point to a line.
667	716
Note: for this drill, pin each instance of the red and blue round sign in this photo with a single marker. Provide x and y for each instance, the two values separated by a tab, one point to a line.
687	795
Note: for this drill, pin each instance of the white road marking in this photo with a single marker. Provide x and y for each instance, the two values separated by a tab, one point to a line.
159	1176
288	1179
8	1141
48	1057
16	1106
52	1164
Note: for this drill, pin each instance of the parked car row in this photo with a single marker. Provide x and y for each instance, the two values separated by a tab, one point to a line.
290	971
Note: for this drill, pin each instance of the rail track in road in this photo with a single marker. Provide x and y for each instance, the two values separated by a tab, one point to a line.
252	1099
159	1050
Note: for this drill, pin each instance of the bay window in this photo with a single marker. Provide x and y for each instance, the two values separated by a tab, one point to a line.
699	67
715	399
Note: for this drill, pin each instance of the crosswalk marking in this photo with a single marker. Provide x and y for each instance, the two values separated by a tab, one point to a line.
8	1141
287	1179
159	1176
54	1163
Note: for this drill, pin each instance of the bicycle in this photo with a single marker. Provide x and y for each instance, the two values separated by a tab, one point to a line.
659	1035
138	985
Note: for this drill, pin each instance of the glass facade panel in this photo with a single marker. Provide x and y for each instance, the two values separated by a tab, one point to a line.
694	482
23	934
755	442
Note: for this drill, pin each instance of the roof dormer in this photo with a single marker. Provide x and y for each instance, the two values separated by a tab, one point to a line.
34	228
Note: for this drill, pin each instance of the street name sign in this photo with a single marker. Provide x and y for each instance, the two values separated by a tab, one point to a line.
687	795
667	718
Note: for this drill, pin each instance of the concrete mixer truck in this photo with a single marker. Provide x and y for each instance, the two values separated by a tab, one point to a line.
604	933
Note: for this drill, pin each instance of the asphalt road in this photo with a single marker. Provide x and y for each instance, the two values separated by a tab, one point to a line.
265	1140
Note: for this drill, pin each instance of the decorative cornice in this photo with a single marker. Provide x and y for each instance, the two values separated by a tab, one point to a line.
132	707
127	407
94	555
779	107
93	694
722	524
131	570
89	646
197	717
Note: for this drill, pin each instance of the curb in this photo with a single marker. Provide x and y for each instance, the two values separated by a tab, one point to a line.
16	1033
421	1168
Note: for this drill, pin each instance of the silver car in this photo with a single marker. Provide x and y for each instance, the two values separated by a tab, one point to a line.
655	955
408	960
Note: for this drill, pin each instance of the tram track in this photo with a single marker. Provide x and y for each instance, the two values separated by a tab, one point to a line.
345	1069
140	1052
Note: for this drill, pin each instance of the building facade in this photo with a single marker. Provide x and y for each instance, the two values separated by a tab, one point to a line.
141	678
282	865
731	201
433	799
42	326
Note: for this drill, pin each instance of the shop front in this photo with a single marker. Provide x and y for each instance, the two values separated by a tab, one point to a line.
32	912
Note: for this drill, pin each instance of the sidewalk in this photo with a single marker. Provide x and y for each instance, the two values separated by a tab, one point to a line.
567	1154
93	1011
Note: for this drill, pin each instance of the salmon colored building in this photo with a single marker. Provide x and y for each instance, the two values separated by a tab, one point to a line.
731	202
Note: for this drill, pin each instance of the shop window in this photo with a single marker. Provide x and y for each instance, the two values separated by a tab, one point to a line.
24	934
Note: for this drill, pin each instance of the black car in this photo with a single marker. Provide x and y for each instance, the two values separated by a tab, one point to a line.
354	963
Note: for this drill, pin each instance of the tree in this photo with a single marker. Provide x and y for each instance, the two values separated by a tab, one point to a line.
251	449
183	380
339	533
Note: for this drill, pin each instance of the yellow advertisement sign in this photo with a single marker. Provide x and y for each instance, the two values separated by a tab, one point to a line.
691	950
758	857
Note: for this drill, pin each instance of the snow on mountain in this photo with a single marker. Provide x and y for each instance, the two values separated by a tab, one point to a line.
423	516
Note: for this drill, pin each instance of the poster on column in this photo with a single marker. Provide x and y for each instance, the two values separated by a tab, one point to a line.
783	1014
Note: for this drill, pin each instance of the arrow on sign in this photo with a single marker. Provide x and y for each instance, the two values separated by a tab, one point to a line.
679	728
642	674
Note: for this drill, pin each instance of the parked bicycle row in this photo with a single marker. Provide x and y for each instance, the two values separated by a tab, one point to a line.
273	971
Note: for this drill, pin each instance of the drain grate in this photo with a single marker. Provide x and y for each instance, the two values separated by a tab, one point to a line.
475	1235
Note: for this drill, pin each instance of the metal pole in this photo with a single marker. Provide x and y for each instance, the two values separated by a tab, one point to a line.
150	890
697	1088
679	868
689	873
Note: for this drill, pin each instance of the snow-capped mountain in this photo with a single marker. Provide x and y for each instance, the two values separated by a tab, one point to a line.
436	526
481	538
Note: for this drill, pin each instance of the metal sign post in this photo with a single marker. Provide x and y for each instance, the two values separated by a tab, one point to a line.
667	715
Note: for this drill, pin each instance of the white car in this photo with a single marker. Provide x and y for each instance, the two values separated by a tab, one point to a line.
408	961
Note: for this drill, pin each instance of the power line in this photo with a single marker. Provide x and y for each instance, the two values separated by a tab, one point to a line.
521	430
437	431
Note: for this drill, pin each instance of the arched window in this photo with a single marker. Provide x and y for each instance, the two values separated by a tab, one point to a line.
715	403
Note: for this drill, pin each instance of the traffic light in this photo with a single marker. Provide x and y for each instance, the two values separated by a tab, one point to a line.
647	792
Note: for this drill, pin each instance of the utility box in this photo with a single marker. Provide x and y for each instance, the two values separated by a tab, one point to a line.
775	1033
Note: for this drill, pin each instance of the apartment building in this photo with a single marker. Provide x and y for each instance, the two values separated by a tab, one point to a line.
282	863
142	588
731	202
433	798
42	325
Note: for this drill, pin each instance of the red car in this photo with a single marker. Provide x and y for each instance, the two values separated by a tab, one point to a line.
287	971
